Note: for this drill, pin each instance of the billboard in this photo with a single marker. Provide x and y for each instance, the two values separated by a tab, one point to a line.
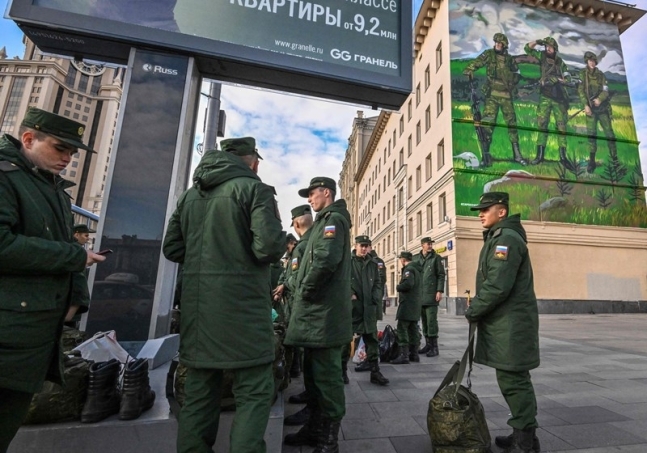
541	109
356	50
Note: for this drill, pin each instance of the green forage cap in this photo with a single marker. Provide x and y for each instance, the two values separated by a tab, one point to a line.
83	228
60	127
301	210
243	146
319	181
363	239
406	255
492	198
426	240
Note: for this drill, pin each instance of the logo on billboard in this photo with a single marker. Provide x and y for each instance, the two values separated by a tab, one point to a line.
158	69
340	54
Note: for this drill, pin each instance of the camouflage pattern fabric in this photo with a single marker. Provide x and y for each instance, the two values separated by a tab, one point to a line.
71	338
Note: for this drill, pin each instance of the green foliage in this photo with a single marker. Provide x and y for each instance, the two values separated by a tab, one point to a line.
614	172
604	198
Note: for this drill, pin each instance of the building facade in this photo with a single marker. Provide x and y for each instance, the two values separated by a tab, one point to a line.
87	93
476	122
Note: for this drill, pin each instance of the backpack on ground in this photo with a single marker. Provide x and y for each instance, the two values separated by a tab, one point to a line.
388	345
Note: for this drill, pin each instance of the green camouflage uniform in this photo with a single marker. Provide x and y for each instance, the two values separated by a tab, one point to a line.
552	95
433	281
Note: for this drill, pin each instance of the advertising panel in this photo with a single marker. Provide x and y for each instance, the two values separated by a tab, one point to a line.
541	109
362	42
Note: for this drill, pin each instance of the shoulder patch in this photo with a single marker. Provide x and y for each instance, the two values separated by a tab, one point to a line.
8	166
329	231
407	273
295	264
501	252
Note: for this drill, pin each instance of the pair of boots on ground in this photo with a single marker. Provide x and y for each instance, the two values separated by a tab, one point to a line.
410	353
105	398
319	432
520	441
376	375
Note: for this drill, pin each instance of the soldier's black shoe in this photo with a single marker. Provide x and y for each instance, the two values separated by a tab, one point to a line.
523	441
541	149
364	365
136	393
507	441
413	353
328	442
516	155
403	357
344	376
427	346
563	159
300	398
103	397
295	369
433	352
309	434
590	167
298	418
376	376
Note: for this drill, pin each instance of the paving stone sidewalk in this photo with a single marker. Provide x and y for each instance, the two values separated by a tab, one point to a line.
591	390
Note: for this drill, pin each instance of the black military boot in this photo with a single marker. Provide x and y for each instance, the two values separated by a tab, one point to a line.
507	441
300	398
403	357
295	369
309	433
541	149
487	157
344	371
103	392
364	365
376	376
413	353
590	167
522	441
427	346
136	393
433	352
563	159
328	441
298	418
516	155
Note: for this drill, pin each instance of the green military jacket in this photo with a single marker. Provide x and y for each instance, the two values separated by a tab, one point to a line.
366	286
594	85
290	275
433	276
226	232
505	306
321	312
552	69
409	293
502	73
381	267
39	266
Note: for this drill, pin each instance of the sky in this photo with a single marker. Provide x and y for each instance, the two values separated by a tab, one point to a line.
300	138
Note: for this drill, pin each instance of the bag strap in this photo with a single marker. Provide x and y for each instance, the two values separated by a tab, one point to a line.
468	355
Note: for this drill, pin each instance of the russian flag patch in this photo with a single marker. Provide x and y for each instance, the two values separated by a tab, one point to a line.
329	231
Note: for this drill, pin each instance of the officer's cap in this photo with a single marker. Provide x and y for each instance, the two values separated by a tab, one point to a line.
64	129
406	255
426	240
83	228
243	146
301	210
290	238
319	181
492	198
363	239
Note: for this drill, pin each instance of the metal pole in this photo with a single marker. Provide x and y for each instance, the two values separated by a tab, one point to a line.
213	111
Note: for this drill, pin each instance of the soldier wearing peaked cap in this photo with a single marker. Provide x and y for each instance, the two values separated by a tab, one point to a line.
410	295
505	310
433	283
40	265
321	319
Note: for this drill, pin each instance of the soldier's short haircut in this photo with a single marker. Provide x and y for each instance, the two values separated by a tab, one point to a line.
39	135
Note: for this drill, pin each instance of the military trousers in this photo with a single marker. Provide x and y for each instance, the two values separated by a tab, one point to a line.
372	348
253	390
519	393
13	411
559	110
493	104
429	319
322	379
408	333
604	119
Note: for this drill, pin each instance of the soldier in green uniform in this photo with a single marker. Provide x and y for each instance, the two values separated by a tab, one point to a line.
433	284
594	96
381	267
553	96
321	319
505	310
277	273
226	231
500	89
40	265
408	315
366	296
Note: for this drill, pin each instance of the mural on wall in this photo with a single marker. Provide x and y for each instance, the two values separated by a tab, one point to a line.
541	109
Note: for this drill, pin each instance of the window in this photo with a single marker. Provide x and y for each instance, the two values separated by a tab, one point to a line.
417	95
96	84
388	242
401	158
384	213
410	228
441	154
83	83
388	210
418	133
409	145
393	210
439	55
409	186
389	147
427	78
419	223
439	101
70	77
389	177
409	110
442	207
393	138
401	236
428	170
401	125
385	155
418	177
401	197
430	217
427	118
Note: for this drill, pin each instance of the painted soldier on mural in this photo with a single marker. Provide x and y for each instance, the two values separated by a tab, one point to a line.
500	90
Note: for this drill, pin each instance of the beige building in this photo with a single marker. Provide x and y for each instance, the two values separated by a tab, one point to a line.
398	178
87	93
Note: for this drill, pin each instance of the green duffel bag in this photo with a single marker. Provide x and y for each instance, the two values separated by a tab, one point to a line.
59	404
456	419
